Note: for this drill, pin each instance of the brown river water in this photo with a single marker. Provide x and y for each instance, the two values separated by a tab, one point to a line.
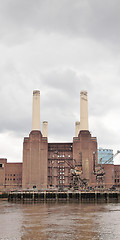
59	221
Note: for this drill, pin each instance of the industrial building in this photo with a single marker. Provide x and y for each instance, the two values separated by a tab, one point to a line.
72	165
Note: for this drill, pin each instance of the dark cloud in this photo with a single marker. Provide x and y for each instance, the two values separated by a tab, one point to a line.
94	19
60	101
60	48
67	81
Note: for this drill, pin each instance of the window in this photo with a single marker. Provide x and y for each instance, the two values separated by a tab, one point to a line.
1	165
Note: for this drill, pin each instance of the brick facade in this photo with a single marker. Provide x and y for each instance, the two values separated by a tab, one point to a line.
10	175
47	165
35	161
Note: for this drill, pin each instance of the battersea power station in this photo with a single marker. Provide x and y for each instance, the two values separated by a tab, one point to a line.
72	165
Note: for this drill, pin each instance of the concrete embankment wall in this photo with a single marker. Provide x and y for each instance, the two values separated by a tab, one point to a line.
4	195
64	196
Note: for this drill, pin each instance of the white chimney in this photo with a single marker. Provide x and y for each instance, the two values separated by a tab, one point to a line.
77	128
45	129
36	110
83	111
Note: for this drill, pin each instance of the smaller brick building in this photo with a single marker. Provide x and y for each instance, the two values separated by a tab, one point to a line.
117	176
10	175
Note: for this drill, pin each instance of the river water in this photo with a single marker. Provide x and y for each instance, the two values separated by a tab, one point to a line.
59	221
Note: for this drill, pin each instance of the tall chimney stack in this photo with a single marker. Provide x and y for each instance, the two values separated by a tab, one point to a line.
36	111
77	128
83	111
45	129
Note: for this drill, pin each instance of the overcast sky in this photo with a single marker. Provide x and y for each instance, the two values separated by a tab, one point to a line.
59	47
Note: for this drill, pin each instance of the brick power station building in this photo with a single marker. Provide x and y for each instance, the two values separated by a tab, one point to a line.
58	165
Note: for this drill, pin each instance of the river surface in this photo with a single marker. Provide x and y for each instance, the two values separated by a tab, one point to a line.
59	221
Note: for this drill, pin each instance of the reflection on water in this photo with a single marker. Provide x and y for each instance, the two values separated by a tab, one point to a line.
58	221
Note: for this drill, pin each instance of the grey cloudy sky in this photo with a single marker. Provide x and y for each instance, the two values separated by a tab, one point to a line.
59	47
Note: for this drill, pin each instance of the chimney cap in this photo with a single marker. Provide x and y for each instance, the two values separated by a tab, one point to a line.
36	92
83	92
77	123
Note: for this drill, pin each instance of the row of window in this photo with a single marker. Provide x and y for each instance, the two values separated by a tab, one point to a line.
63	148
117	174
10	179
60	182
116	180
13	174
57	167
61	172
62	177
58	177
61	156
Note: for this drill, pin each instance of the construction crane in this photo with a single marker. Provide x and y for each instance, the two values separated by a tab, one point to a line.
106	162
76	179
100	172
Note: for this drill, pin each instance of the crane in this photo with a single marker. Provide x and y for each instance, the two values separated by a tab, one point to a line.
100	172
76	172
118	151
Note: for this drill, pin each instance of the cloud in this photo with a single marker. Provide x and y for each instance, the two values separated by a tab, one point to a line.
60	48
21	20
13	144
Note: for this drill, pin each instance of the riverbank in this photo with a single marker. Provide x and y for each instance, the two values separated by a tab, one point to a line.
4	195
64	196
81	196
